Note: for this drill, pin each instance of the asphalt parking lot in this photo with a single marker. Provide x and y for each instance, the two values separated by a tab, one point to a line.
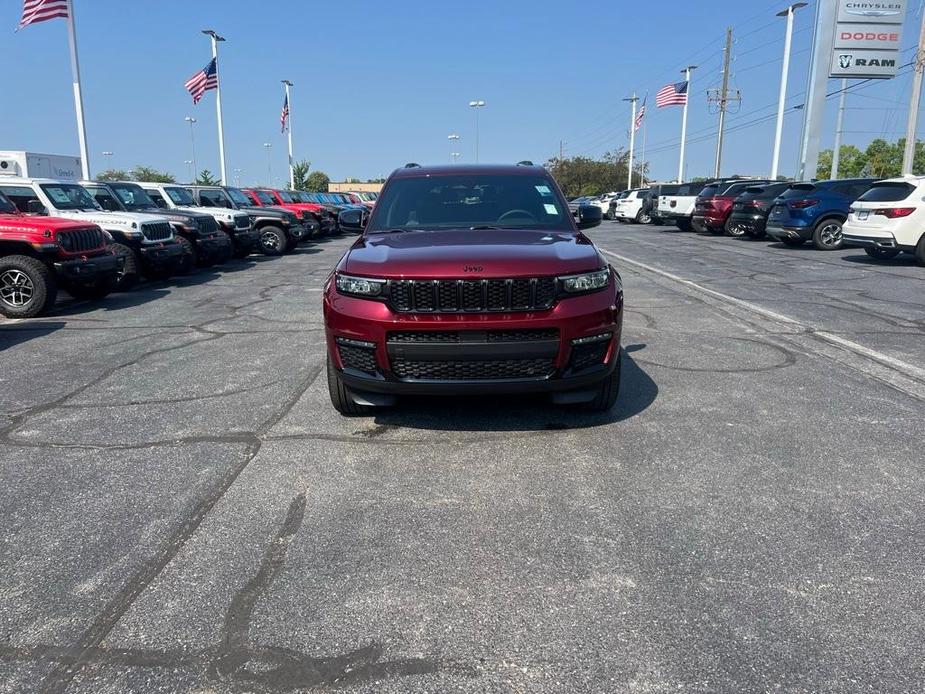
183	511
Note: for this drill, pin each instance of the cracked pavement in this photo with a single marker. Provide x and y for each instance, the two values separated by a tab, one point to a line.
184	512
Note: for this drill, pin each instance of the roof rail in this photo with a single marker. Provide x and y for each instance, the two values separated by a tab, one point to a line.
412	165
525	162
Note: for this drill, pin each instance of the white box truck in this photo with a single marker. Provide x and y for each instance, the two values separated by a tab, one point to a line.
34	165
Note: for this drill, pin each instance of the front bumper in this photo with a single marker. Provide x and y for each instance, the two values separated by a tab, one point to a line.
89	270
302	231
243	238
162	256
214	246
561	366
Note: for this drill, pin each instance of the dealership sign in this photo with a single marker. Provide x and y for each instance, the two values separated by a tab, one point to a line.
867	38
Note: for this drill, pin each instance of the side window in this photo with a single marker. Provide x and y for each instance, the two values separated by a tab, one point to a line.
858	189
210	198
19	196
158	199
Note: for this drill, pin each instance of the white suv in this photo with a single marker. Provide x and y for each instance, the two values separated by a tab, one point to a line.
631	206
889	218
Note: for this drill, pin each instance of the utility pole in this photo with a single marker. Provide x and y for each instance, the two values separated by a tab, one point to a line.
836	149
722	98
560	150
629	175
911	126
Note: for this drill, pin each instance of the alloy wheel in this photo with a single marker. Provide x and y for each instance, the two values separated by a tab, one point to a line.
16	288
830	234
270	241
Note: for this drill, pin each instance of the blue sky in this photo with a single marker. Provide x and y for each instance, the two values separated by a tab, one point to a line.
380	84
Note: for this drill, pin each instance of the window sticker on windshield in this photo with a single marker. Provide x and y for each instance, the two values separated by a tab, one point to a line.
58	195
543	190
551	209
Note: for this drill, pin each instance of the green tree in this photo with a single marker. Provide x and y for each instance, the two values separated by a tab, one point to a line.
300	174
883	158
586	176
205	178
113	175
317	182
147	173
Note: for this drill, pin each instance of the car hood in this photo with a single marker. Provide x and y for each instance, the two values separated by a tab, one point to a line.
468	254
265	211
122	220
22	222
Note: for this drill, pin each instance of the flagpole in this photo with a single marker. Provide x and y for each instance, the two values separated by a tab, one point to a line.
629	177
289	125
218	103
645	126
687	78
78	97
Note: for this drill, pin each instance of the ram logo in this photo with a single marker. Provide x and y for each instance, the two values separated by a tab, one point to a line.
844	61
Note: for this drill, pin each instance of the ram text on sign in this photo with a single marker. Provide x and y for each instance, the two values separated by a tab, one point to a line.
864	63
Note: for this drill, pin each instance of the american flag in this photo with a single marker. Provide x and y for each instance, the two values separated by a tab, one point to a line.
34	11
202	81
639	116
285	114
672	95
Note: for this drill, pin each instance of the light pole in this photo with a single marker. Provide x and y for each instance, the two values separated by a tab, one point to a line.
267	145
189	166
455	156
782	97
629	177
237	177
215	38
453	138
476	105
192	142
288	84
108	156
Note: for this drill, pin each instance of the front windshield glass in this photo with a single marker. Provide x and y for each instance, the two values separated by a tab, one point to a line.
180	196
238	196
6	207
68	196
284	196
265	198
132	196
470	200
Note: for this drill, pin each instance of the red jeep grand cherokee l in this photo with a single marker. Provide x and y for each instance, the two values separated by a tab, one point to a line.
473	280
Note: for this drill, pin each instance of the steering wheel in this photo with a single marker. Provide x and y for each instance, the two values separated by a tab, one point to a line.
518	213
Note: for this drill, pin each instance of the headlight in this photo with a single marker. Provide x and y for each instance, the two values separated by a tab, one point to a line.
586	282
359	286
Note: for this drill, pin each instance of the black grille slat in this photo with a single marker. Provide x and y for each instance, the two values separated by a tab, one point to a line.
207	224
83	240
455	337
358	358
472	296
242	221
585	356
488	370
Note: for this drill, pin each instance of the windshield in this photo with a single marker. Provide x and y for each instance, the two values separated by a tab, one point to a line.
472	200
6	207
797	190
180	196
239	196
264	197
133	197
284	196
67	196
104	197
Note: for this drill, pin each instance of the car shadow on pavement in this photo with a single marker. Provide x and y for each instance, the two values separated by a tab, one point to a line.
523	413
114	302
16	333
901	260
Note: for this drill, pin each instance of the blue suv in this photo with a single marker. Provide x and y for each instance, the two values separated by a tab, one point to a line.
815	212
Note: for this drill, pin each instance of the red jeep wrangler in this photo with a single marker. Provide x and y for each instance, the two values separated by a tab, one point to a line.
472	280
267	197
39	253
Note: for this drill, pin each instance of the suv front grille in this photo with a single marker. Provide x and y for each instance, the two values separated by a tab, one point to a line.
488	370
207	224
454	337
472	296
359	358
81	240
241	221
156	231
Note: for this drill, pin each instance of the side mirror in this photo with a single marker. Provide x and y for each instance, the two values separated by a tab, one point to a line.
36	207
353	220
589	216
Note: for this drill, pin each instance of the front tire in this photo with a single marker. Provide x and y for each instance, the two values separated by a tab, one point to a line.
643	218
608	390
128	275
736	231
827	235
190	258
920	251
272	240
341	399
27	287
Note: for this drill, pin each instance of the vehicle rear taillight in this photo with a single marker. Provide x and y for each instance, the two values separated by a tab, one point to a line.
757	204
802	204
894	212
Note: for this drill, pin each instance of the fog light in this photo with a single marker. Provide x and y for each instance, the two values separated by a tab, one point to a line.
347	342
603	337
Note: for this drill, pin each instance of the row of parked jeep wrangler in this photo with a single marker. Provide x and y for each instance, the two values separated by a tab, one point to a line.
94	237
884	217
